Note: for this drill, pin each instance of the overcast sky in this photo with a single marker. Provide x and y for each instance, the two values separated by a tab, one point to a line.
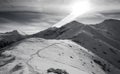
51	12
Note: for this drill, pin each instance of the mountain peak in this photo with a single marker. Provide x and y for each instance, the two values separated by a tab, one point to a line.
112	21
66	31
13	32
74	24
109	23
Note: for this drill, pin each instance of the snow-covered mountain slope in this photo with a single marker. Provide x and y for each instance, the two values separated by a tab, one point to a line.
38	56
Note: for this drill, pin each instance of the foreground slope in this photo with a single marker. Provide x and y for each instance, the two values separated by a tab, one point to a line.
38	56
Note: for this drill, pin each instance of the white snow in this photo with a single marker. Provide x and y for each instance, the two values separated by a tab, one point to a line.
37	55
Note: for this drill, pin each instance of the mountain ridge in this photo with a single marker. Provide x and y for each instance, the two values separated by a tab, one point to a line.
92	37
74	48
9	38
77	27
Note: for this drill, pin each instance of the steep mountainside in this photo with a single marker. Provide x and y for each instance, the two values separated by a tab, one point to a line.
65	32
9	37
110	28
106	31
40	56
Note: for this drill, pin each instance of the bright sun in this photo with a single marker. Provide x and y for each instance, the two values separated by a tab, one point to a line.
78	9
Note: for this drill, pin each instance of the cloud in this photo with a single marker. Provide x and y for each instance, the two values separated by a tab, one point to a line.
27	22
35	15
102	9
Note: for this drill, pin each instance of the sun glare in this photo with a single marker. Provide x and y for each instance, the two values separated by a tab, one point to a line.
77	10
80	8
